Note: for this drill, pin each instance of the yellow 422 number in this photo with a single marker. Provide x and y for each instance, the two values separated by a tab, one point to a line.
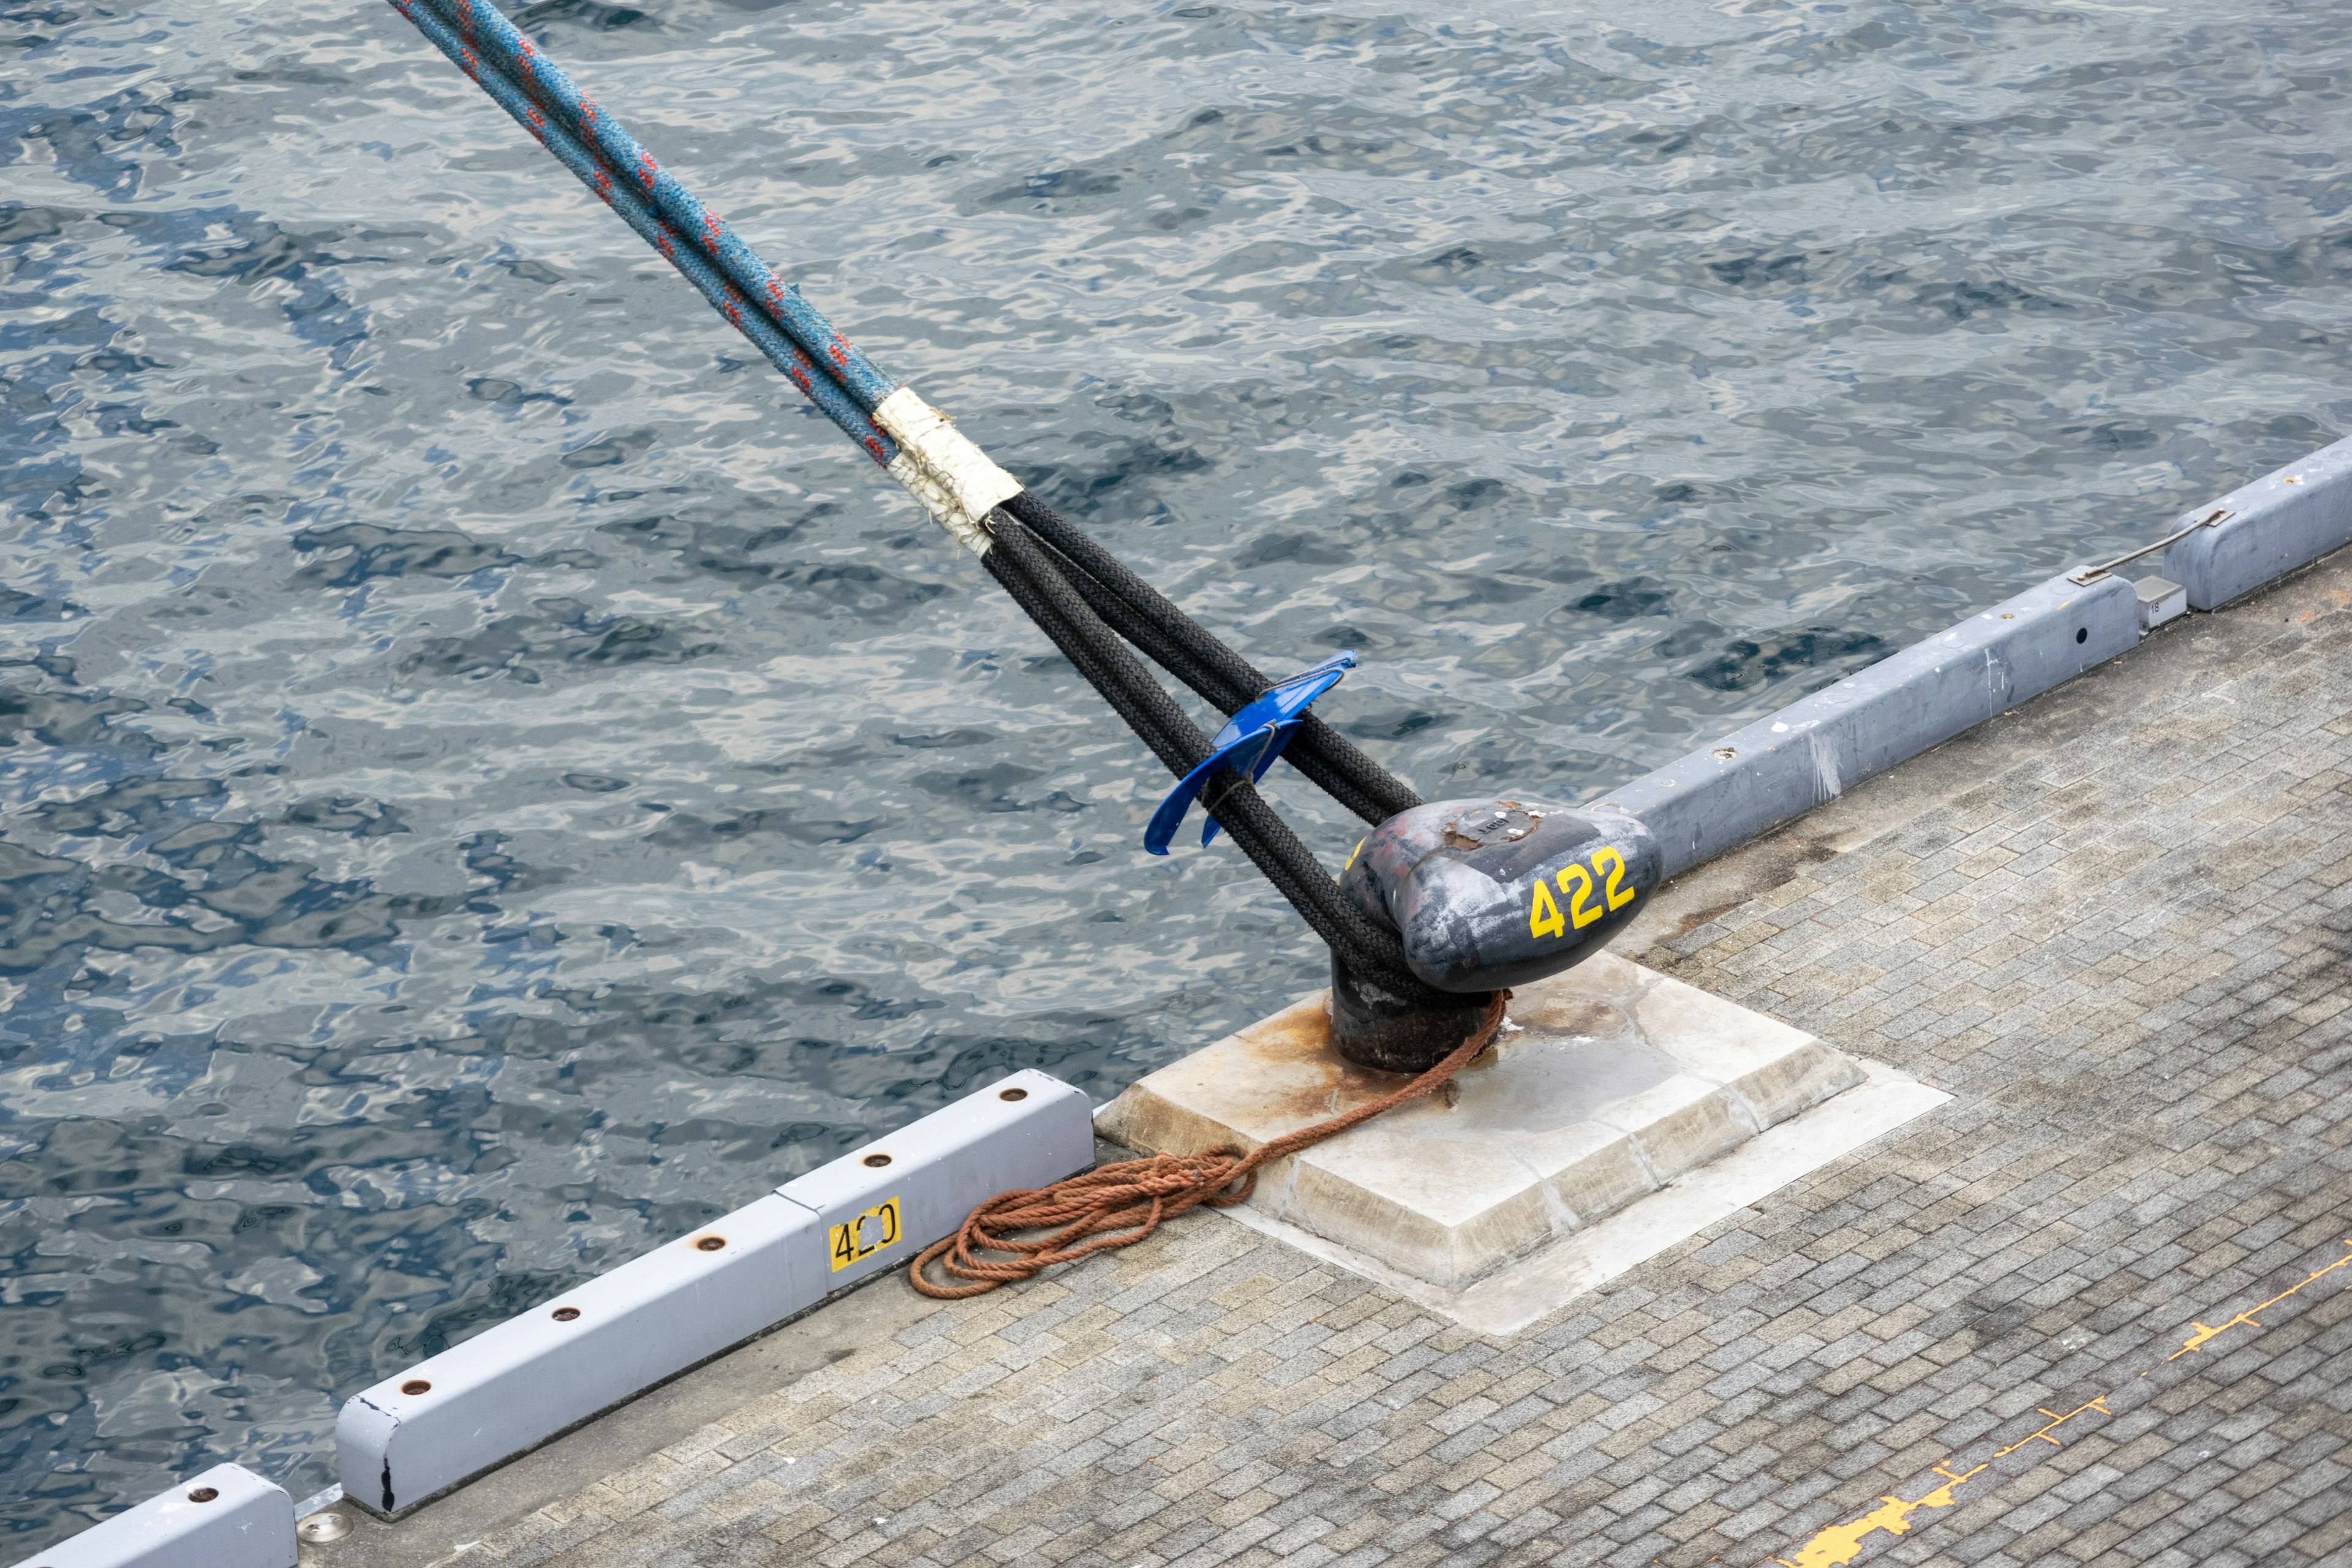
1578	885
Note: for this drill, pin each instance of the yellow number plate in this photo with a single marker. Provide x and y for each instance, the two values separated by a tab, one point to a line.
1580	885
864	1237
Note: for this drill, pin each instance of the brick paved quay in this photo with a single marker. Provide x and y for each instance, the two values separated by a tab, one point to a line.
2114	925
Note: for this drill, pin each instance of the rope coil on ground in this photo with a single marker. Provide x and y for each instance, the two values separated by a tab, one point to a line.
1120	1205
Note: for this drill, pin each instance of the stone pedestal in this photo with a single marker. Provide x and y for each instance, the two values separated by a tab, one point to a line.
1607	1083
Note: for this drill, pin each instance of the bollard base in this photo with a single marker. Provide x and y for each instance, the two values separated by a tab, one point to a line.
1375	1029
1606	1084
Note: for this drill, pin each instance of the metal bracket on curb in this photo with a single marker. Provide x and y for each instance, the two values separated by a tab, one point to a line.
2087	575
226	1518
518	1383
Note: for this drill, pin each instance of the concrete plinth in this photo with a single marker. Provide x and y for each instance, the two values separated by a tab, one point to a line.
1607	1083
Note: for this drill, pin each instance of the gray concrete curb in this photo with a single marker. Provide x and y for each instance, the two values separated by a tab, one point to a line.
2281	522
1815	749
518	1383
226	1518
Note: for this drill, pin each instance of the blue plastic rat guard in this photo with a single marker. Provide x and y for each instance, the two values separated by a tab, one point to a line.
1248	744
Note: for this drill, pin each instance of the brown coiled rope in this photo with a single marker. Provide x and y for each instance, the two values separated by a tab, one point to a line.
1118	1206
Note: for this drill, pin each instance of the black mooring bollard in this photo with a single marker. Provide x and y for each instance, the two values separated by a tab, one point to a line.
1484	895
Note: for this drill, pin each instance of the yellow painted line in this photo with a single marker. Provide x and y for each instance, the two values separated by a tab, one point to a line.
2197	1341
1840	1544
2056	1421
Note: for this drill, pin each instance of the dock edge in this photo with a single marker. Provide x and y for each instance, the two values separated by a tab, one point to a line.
226	1517
432	1428
1721	795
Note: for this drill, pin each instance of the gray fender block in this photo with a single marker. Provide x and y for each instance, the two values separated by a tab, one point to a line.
244	1522
2282	521
1815	749
519	1382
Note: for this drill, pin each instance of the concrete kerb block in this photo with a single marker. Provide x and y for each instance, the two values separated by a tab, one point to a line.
1811	751
1027	1130
226	1518
2280	521
518	1383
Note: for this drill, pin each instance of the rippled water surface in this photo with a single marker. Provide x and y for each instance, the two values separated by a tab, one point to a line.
491	781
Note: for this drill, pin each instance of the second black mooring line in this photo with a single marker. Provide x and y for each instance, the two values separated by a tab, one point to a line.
1441	909
1089	604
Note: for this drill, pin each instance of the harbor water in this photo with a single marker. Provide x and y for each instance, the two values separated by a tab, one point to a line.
488	780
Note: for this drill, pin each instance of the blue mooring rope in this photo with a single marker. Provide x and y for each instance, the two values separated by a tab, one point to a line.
1090	607
797	339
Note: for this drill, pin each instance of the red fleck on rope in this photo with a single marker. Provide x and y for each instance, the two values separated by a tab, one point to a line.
1118	1206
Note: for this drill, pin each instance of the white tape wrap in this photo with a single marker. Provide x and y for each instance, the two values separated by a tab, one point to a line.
940	468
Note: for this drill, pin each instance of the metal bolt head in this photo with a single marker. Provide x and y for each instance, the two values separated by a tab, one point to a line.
321	1528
